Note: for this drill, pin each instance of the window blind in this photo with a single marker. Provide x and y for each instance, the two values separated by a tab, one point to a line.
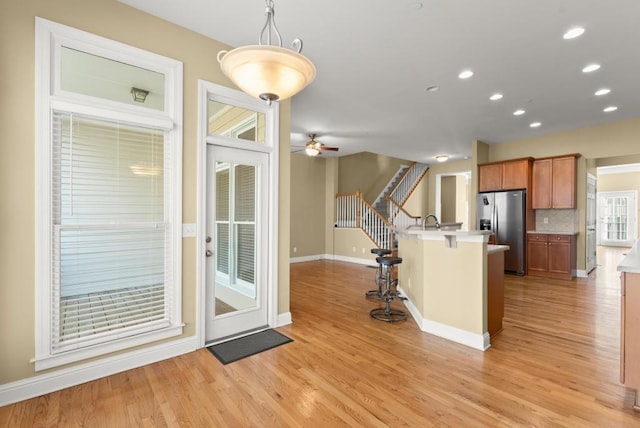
236	187
111	239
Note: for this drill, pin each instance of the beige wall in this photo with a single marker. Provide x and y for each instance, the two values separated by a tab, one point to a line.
367	172
448	188
621	182
418	202
308	215
353	243
431	277
613	140
116	21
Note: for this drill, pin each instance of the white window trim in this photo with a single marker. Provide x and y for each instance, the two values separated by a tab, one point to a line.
270	146
49	35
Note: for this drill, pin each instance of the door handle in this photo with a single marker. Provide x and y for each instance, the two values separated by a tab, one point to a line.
208	253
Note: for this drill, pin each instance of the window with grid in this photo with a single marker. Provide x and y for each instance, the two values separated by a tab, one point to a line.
109	202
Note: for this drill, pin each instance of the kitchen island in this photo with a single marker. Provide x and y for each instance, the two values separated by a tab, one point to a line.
629	270
454	283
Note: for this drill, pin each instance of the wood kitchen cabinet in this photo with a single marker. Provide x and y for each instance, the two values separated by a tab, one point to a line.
630	332
551	255
507	175
489	177
554	182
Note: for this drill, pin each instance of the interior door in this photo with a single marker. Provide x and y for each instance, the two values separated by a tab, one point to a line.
237	207
591	222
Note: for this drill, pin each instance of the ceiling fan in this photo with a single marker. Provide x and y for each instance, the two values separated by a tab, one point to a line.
314	148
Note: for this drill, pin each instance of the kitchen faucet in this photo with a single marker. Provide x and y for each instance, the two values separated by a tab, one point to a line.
424	221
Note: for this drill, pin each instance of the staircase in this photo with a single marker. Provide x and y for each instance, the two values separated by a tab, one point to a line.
380	204
352	211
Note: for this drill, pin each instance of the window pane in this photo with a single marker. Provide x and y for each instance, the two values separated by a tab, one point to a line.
246	253
110	259
222	260
92	75
106	172
222	191
235	122
110	243
245	193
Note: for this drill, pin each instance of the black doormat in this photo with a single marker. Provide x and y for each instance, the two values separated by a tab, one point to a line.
243	347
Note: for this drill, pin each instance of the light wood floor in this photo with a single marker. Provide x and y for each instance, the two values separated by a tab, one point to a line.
555	364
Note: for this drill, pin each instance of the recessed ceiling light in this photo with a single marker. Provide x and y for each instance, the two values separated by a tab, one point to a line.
442	158
535	124
432	89
603	91
591	67
518	112
610	109
496	97
465	74
574	32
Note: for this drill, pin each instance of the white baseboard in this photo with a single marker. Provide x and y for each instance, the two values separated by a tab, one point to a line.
308	258
339	258
65	378
357	260
473	340
284	319
580	273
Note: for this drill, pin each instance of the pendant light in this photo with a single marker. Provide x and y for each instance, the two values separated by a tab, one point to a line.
268	71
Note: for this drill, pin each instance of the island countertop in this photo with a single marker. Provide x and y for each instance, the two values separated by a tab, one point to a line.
492	249
631	262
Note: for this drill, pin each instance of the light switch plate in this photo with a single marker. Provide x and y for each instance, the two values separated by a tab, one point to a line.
188	230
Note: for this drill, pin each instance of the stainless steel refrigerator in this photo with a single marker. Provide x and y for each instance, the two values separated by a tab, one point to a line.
504	214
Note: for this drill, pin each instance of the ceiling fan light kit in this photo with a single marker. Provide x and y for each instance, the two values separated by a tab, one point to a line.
268	71
314	148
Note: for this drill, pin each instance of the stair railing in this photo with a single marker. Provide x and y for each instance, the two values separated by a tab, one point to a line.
403	190
401	218
352	211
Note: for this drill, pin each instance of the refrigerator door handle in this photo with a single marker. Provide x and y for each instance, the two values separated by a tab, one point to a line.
494	221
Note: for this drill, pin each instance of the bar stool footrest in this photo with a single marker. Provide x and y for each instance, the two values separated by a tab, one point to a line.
388	315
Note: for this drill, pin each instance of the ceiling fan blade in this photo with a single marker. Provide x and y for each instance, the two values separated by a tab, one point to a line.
329	149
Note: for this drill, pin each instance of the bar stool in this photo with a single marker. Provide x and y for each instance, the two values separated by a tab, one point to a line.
380	279
389	293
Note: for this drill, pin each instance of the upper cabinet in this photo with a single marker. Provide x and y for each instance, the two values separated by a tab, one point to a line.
489	177
507	175
554	182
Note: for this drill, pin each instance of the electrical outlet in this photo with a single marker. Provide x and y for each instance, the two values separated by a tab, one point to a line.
545	220
353	249
363	251
295	249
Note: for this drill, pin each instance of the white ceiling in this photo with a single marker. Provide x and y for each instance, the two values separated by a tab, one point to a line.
375	58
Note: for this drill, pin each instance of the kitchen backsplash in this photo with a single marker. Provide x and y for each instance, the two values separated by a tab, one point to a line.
558	220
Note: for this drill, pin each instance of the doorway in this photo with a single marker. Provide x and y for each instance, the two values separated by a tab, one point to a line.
237	224
617	220
452	198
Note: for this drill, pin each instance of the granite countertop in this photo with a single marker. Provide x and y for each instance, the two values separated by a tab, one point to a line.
491	249
631	262
551	232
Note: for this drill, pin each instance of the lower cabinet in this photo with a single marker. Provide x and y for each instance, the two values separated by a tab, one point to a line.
551	255
630	333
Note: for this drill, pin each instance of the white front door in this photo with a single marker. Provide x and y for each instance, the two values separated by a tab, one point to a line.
236	242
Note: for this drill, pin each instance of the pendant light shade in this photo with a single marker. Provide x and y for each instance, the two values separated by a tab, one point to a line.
268	71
